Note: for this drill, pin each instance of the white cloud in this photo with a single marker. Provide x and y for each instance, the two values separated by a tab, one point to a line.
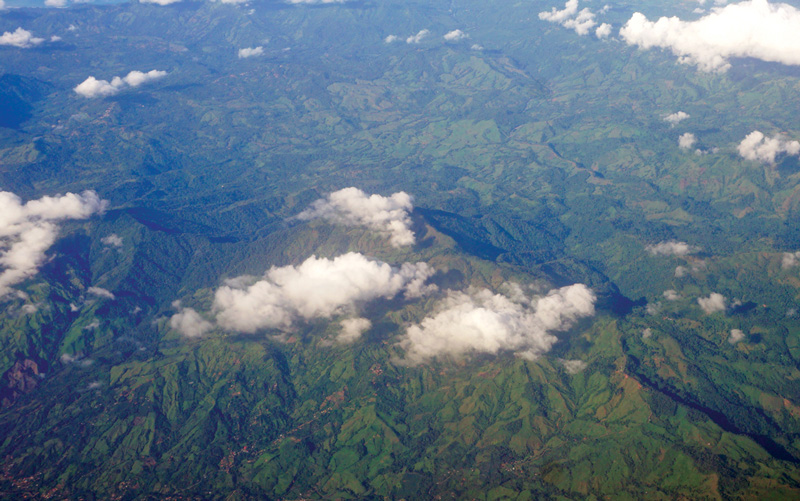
189	323
574	366
603	31
2	4
112	240
671	295
351	206
352	329
581	21
100	292
317	288
391	39
418	37
250	52
455	36
736	336
476	47
92	87
686	140
55	3
647	333
137	78
28	230
23	39
671	248
755	146
160	2
754	28
790	259
713	303
676	117
480	321
312	2
55	38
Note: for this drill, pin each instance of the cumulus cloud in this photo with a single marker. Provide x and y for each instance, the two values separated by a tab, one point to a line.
713	303
92	87
570	17
603	31
55	3
312	2
671	248
455	36
671	295
352	329
391	39
479	321
23	39
317	288
790	259
686	140
100	292
677	117
2	4
755	146
754	28
137	78
736	336
189	323
418	37
250	52
112	240
351	206
647	333
476	47
28	230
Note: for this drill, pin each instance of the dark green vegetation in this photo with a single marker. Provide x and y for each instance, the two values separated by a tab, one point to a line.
543	156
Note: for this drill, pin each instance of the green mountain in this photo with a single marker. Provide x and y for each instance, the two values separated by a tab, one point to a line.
535	156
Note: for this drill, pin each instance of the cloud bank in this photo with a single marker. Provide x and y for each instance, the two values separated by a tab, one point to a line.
352	207
92	87
28	230
713	303
755	146
480	321
317	288
23	39
755	28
